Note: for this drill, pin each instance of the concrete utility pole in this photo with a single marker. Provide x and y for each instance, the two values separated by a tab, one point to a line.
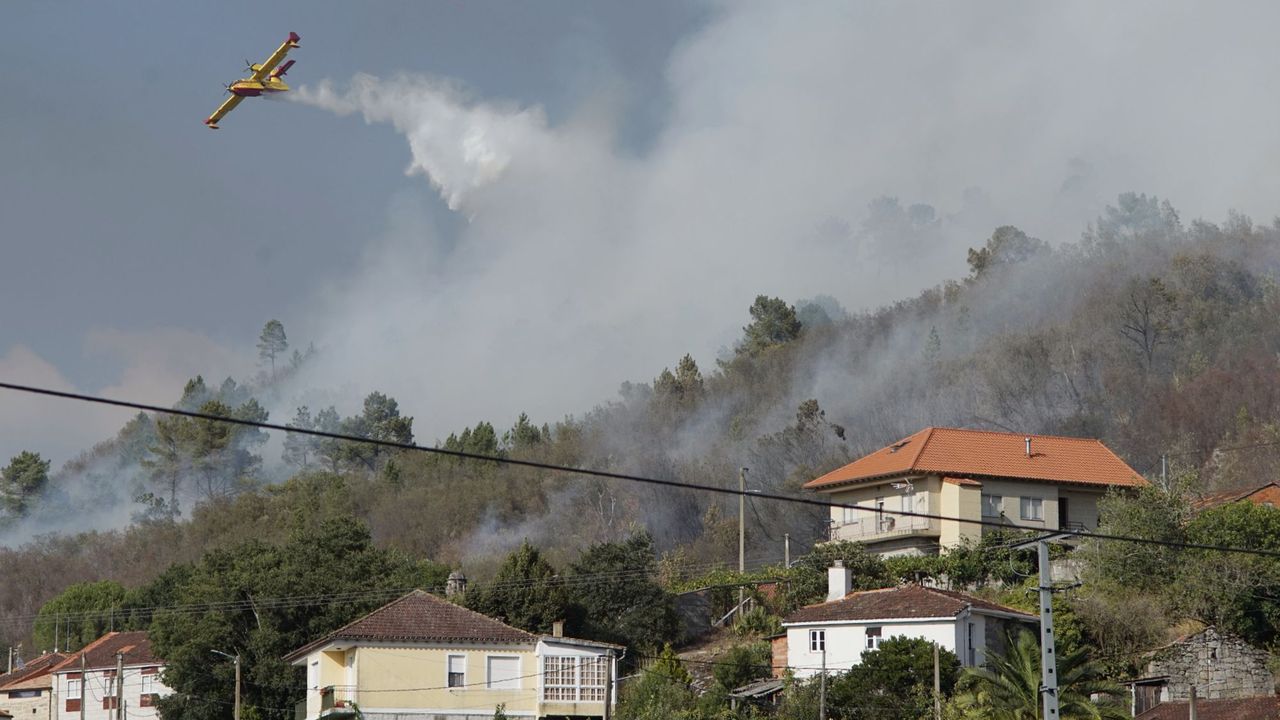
786	550
84	686
119	686
236	659
937	685
742	535
822	687
1048	656
1191	705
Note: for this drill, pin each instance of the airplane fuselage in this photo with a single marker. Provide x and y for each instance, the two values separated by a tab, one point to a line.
254	88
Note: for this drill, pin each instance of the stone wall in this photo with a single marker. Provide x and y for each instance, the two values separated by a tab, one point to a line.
1220	666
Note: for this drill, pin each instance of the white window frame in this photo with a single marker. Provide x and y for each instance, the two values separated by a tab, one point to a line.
109	683
560	684
149	684
488	673
874	637
817	640
992	502
1031	508
591	678
448	671
73	688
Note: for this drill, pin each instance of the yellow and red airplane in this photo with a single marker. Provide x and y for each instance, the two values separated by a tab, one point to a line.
265	79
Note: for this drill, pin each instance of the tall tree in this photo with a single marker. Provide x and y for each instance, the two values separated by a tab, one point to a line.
272	343
527	592
79	615
299	449
773	322
334	555
892	682
613	586
22	480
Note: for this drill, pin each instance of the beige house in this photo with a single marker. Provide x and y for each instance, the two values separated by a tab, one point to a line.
423	657
1039	481
27	691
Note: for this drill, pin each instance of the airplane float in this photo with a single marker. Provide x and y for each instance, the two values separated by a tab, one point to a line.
266	78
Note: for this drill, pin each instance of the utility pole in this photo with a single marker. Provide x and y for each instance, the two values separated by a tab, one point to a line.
786	550
937	685
119	686
1191	706
1164	470
84	686
10	660
742	536
1048	656
608	686
236	659
822	687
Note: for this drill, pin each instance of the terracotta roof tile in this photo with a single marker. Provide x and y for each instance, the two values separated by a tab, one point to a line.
1255	708
101	653
907	601
1229	496
35	671
422	617
983	453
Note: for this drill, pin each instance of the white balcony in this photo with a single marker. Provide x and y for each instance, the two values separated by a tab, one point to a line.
880	527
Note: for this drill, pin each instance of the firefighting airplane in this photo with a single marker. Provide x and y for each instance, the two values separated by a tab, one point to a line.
265	79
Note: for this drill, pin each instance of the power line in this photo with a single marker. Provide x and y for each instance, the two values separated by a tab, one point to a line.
675	484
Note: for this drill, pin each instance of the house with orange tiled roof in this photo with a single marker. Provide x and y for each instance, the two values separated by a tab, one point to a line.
837	632
86	683
1039	481
1267	494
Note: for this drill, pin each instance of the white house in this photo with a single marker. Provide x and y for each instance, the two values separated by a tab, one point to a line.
837	632
95	689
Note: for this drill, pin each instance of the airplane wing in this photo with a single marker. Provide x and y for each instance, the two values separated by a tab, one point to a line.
261	71
225	108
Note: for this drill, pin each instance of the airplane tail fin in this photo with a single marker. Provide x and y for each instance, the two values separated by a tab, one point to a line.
293	39
280	71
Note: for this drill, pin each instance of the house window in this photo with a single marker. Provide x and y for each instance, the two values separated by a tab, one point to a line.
873	638
148	684
16	694
991	505
817	641
1032	508
850	515
73	689
592	679
503	672
559	682
109	683
457	670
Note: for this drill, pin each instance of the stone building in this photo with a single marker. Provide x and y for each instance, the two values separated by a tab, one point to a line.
1219	665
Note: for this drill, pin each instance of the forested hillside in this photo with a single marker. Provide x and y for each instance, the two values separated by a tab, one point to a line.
1157	335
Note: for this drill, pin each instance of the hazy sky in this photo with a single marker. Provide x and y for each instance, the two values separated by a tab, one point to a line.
624	178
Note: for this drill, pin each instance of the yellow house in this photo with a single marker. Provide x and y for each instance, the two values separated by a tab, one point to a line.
1040	481
423	658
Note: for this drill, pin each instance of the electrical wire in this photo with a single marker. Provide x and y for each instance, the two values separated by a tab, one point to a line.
661	482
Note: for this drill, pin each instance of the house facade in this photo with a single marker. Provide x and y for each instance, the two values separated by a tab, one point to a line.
1038	481
835	633
424	657
1216	666
27	692
86	684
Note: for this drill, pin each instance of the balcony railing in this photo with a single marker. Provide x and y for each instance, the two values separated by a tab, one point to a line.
872	527
336	703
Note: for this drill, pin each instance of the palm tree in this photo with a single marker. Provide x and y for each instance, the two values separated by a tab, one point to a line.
1009	687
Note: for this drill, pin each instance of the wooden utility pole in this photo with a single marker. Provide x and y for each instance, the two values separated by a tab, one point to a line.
608	686
237	705
119	686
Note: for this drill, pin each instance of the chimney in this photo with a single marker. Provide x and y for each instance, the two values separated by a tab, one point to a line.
456	584
839	581
1028	446
557	629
